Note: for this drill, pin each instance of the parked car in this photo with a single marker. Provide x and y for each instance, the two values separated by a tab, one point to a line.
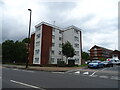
116	62
95	64
88	61
107	63
109	59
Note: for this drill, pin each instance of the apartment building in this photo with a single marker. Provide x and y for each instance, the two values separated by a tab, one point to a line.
97	52
46	43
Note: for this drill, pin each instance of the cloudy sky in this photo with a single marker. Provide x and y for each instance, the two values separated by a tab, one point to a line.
98	19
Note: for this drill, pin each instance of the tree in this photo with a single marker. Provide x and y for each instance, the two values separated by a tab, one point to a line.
68	50
85	55
14	51
103	59
20	52
26	40
8	51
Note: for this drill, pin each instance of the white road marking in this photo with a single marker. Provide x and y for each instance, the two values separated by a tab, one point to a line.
103	77
86	73
103	69
93	73
22	70
28	85
30	71
27	71
16	69
115	78
78	72
58	72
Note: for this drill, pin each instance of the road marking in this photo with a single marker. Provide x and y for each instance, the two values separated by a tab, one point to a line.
103	69
58	72
94	76
16	69
28	85
30	71
78	72
93	73
27	71
86	73
22	70
103	77
115	78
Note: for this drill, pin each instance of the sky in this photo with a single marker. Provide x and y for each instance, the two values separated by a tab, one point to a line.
97	19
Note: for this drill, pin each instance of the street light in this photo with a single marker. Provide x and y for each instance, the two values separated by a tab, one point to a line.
29	38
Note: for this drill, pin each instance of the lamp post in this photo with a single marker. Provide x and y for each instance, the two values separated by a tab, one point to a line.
27	61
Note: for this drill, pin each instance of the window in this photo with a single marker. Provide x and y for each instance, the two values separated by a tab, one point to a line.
37	51
53	30
38	43
95	48
60	52
52	60
95	52
115	55
52	52
76	60
76	31
38	28
60	38
77	53
37	36
53	44
76	45
53	36
36	60
76	38
60	32
60	45
59	59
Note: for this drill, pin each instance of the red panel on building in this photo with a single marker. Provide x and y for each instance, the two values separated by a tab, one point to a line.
31	49
46	44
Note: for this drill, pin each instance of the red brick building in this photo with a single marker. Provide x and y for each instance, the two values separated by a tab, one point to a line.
97	52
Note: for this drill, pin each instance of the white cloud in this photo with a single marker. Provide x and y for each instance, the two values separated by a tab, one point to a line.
96	18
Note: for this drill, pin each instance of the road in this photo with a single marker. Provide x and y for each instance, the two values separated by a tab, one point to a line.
18	78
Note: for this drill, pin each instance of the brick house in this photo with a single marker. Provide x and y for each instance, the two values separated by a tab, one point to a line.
97	52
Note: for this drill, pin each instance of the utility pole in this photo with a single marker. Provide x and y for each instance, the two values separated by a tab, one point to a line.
27	61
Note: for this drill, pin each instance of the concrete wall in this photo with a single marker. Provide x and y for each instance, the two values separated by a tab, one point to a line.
69	35
46	31
56	56
37	47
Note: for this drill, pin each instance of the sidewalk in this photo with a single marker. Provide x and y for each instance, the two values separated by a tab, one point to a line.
55	69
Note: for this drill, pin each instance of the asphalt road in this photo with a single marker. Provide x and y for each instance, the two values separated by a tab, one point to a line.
106	71
17	78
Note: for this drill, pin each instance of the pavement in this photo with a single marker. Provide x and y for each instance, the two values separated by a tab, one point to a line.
55	69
